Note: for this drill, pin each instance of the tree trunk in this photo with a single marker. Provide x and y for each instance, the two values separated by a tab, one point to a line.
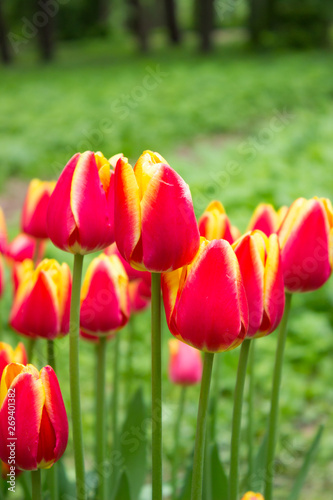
139	21
257	20
4	46
206	20
103	15
46	31
171	21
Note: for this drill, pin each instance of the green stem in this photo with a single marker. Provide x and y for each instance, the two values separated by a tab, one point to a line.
115	397
215	398
274	413
250	425
30	348
74	378
36	484
156	377
236	420
174	471
50	354
52	474
35	257
199	450
130	350
100	416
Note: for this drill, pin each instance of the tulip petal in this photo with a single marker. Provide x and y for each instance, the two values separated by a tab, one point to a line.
57	422
29	402
127	209
60	219
170	235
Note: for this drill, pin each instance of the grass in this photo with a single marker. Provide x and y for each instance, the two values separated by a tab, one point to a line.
239	127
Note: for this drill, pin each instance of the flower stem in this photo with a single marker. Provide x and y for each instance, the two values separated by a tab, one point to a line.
176	441
74	378
30	349
100	416
130	345
36	484
156	377
52	474
216	387
250	413
236	420
199	450
115	397
274	413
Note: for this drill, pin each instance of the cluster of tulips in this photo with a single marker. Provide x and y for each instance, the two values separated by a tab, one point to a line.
220	290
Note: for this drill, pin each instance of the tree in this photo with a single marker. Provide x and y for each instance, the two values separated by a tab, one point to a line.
46	29
205	10
139	22
4	46
257	21
171	21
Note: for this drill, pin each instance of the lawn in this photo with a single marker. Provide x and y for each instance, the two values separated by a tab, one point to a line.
239	127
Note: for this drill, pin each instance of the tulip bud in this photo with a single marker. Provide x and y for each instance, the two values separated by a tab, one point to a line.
80	213
33	221
306	240
24	247
185	365
104	296
3	232
214	224
9	355
266	219
19	271
260	265
205	302
156	227
252	496
42	302
41	426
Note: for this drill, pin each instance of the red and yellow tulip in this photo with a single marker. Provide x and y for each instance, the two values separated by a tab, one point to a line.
185	363
42	302
260	265
33	220
80	212
9	355
40	421
156	227
266	219
3	232
306	240
24	247
215	224
205	302
19	271
252	496
104	296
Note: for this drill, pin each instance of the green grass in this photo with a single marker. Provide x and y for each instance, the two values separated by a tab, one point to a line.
214	119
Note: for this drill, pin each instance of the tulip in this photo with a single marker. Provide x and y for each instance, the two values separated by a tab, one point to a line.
104	296
252	496
42	302
9	355
80	211
185	365
205	302
24	247
156	227
41	427
306	240
260	265
3	232
266	219
214	224
33	220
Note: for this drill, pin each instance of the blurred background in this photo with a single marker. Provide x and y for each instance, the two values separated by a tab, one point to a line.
237	95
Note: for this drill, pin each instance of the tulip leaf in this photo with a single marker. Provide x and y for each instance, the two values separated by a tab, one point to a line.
123	490
132	454
255	482
308	459
219	480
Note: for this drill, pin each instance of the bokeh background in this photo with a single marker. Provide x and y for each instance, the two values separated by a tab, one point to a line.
238	96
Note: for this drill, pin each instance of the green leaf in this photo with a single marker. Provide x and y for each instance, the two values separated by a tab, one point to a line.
186	490
132	455
219	479
255	482
123	490
308	459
